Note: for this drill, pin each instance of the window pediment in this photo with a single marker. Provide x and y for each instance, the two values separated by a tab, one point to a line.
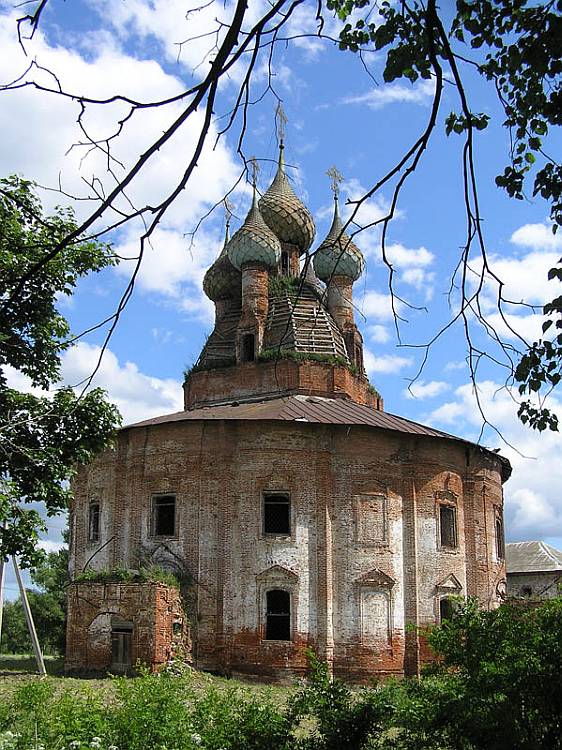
277	573
375	579
449	585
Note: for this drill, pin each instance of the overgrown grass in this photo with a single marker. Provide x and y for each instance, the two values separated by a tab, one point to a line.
498	686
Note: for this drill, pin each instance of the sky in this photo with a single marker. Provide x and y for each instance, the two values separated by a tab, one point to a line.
339	112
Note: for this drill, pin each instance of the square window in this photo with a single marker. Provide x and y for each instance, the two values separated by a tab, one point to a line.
448	526
277	514
94	522
164	515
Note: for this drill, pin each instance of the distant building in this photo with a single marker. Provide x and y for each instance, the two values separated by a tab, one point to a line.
296	510
533	569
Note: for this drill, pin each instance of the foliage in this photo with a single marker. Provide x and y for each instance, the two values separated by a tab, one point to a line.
215	365
15	636
516	46
497	685
279	285
154	574
278	353
48	605
42	437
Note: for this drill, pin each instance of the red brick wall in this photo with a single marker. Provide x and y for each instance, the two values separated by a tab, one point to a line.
151	607
353	591
277	378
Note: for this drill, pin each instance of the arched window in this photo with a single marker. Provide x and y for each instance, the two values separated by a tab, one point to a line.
94	522
248	347
446	608
278	616
285	263
500	549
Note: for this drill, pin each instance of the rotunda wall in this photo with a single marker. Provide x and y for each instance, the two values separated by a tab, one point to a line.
362	555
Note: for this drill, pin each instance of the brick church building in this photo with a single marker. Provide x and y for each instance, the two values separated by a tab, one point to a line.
292	508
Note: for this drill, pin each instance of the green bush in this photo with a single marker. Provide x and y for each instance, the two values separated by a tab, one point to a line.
497	686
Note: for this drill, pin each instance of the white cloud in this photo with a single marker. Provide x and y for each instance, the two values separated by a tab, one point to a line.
450	366
38	129
174	267
378	306
525	278
421	389
537	237
137	396
385	363
418	93
379	334
529	327
533	504
404	257
50	546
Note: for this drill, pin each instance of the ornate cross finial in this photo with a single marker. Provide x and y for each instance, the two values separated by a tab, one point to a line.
280	121
335	178
227	211
255	167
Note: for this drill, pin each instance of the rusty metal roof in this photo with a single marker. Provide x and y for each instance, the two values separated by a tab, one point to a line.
313	409
532	557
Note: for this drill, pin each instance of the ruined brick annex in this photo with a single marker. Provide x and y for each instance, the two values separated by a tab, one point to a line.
292	509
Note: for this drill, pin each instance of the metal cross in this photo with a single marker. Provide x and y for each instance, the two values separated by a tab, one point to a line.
227	211
335	179
281	121
255	167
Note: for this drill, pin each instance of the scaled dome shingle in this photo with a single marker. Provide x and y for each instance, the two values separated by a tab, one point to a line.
284	213
254	242
222	280
338	255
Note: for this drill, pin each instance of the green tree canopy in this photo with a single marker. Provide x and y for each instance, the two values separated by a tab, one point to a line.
41	437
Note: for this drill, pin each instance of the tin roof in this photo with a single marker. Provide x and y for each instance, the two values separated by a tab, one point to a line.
313	409
532	557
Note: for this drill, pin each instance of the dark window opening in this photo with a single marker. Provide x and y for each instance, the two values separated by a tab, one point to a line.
447	526
276	514
164	515
285	263
248	347
278	616
358	358
500	546
526	591
121	641
446	609
94	522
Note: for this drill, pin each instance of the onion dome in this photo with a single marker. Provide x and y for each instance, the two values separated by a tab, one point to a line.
254	242
338	255
284	213
222	280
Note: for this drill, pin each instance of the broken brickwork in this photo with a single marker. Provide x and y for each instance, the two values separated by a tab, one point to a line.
115	626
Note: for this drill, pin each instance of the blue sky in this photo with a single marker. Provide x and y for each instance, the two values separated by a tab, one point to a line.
336	115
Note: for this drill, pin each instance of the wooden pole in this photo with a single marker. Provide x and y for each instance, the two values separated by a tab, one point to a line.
2	568
30	624
2	573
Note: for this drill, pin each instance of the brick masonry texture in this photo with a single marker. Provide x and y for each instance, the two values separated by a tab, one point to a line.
159	627
266	379
362	561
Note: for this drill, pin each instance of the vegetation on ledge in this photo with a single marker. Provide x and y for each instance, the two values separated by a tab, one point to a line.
271	355
153	574
280	284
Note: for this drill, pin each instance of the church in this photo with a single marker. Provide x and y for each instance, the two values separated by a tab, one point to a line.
293	510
